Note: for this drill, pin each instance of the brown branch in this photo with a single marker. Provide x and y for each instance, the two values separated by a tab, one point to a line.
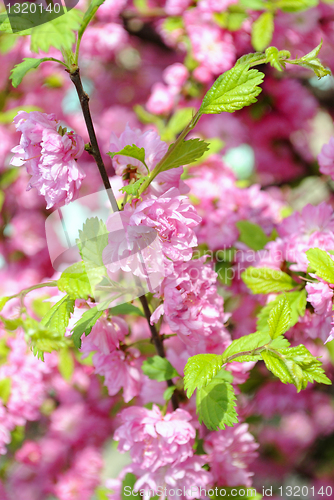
95	152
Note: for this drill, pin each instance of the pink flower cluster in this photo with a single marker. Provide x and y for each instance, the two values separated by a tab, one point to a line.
49	155
119	369
161	448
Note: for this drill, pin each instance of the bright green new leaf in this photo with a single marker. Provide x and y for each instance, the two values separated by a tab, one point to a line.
267	280
3	302
168	393
20	70
233	90
262	31
297	302
312	62
47	338
133	189
88	15
250	343
279	318
216	404
126	309
253	4
75	282
177	123
93	238
184	153
276	58
295	365
7	117
11	324
133	152
58	33
252	235
59	315
321	263
5	388
66	364
158	368
18	24
295	5
251	59
128	485
85	325
199	370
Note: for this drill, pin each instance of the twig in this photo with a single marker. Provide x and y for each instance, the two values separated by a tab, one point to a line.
95	152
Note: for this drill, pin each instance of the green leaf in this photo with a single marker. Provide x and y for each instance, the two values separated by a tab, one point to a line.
237	493
276	58
44	338
297	302
66	364
321	263
168	393
216	404
251	59
8	116
88	15
312	62
5	389
177	123
279	318
93	238
262	31
85	325
3	302
184	153
233	90
75	282
126	309
59	315
267	280
128	486
158	368
295	5
11	324
133	152
253	4
133	189
250	343
20	70
199	370
17	24
252	235
295	365
58	33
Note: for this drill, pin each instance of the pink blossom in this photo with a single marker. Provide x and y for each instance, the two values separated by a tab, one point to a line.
29	454
120	371
326	158
312	228
154	439
81	480
49	156
105	335
192	306
174	218
103	40
321	297
176	7
189	476
175	75
230	452
155	149
161	100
